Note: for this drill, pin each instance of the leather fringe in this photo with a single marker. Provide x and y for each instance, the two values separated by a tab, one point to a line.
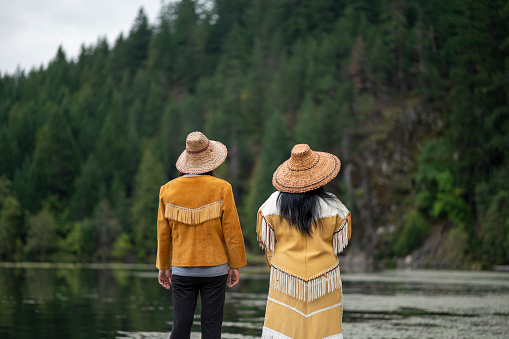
342	235
265	233
195	216
305	289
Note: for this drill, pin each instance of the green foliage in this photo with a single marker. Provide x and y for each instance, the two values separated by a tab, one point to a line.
274	152
149	178
42	237
309	125
456	247
72	136
415	230
492	202
441	197
138	42
56	160
11	222
106	229
88	189
73	245
122	246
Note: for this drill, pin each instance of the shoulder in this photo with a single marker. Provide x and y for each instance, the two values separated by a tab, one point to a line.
218	181
270	205
332	207
168	184
217	184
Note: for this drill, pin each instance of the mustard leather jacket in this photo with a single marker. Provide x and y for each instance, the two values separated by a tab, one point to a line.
198	224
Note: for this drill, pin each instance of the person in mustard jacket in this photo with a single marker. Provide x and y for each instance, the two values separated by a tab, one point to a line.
303	228
199	238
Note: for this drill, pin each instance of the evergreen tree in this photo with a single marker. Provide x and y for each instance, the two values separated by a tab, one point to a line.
56	160
188	46
276	149
137	44
89	188
42	236
106	230
6	153
309	126
171	136
11	221
149	178
343	75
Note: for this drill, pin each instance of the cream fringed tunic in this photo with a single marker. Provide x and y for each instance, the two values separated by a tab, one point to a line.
305	294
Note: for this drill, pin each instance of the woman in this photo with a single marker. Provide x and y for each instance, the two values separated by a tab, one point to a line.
199	237
303	228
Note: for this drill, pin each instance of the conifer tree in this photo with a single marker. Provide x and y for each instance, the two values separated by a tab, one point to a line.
276	149
148	180
6	153
309	125
89	188
107	229
366	67
42	236
56	159
11	221
137	44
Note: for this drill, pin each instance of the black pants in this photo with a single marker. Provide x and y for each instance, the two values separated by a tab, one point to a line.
184	296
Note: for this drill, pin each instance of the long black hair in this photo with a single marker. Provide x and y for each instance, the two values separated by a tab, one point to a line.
302	209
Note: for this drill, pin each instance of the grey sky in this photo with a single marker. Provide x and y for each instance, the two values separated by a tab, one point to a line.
32	30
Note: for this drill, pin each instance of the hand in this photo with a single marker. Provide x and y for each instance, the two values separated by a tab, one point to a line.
165	278
233	277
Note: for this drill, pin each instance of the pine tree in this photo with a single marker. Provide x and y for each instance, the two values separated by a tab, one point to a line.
137	44
276	149
107	229
89	188
309	126
56	159
149	178
42	236
11	221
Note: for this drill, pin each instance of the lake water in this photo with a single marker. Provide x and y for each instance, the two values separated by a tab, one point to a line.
129	303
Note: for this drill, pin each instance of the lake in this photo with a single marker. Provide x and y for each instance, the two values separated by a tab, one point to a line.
67	302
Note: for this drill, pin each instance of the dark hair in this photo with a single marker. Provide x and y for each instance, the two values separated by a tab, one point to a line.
302	209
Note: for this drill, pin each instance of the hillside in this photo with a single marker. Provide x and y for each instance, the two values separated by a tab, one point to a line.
412	96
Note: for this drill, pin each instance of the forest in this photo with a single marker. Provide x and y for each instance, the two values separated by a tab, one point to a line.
411	95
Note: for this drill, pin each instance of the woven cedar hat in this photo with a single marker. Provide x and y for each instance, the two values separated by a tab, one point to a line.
306	170
201	155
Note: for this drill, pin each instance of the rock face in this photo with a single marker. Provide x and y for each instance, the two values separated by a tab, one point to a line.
380	160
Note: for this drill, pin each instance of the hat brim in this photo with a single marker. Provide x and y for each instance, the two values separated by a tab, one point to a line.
202	162
323	171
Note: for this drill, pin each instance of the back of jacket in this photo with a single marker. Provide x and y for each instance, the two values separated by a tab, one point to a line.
198	224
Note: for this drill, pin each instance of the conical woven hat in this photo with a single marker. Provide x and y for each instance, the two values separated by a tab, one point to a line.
201	155
306	170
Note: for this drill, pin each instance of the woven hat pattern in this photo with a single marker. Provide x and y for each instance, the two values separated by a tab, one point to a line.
201	155
306	170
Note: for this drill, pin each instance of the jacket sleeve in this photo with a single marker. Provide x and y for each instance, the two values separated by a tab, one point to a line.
163	260
342	233
232	231
266	236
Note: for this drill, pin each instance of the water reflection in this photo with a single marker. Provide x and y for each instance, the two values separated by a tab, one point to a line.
116	303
